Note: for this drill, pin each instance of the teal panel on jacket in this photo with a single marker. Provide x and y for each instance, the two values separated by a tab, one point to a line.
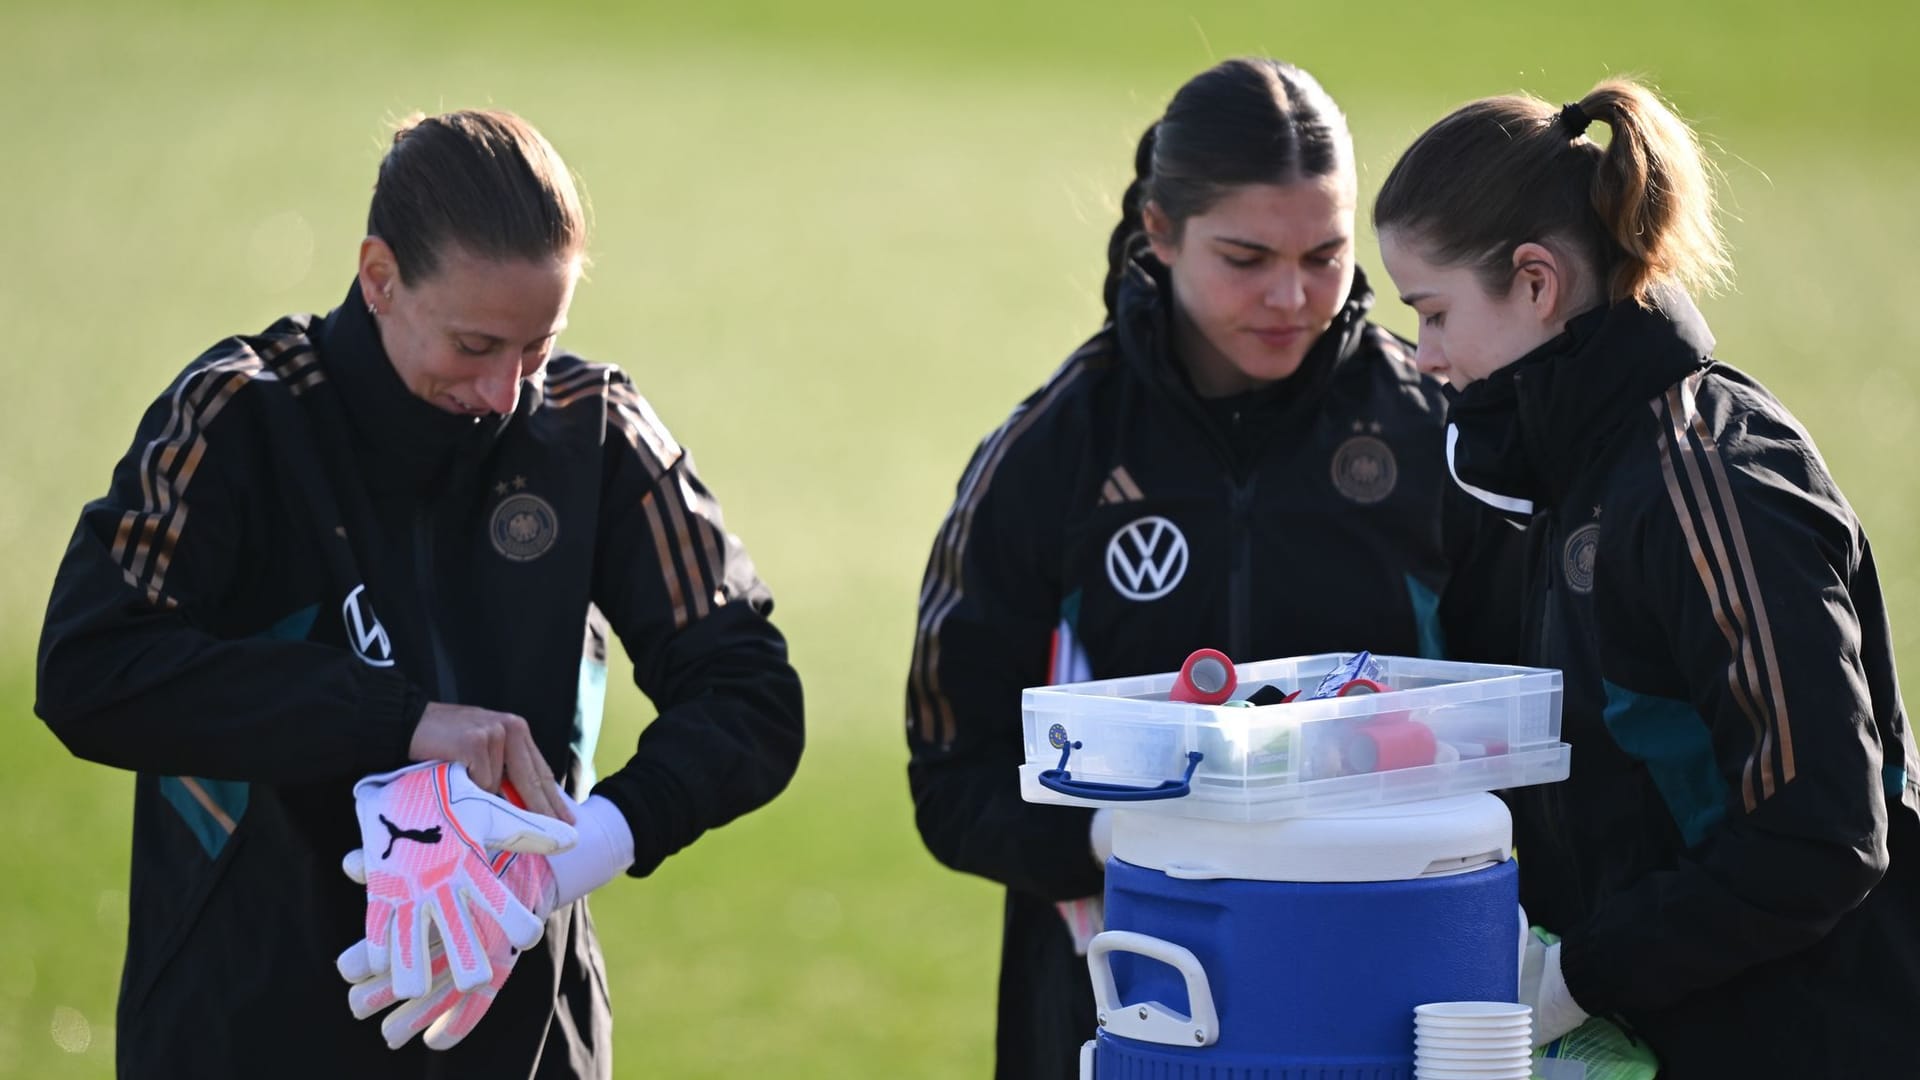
1426	618
1672	740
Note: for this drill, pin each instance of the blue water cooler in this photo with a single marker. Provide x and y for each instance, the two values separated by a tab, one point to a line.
1297	949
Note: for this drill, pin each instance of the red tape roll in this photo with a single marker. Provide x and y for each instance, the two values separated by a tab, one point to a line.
1207	678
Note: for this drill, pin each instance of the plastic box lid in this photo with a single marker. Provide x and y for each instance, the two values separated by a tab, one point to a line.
1442	728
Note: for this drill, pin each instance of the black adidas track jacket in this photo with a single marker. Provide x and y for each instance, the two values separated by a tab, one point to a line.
293	558
1734	864
1117	513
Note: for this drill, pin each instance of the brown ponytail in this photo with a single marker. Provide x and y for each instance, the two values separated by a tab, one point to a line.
1654	195
1504	171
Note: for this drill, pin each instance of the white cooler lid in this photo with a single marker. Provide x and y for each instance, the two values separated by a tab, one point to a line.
1393	842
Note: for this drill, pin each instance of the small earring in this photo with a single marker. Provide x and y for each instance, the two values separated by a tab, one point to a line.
371	309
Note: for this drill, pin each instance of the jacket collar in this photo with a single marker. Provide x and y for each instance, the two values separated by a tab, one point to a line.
401	442
1144	333
1527	432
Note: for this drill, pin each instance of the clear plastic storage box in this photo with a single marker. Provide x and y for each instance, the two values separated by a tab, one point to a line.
1441	728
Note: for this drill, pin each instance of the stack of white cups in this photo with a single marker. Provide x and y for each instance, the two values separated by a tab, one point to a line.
1472	1040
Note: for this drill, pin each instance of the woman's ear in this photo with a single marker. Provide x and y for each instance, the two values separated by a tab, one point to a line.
1159	230
379	269
1540	282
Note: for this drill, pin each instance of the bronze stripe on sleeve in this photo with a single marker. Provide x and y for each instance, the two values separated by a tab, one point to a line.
620	410
287	366
165	558
650	428
122	534
206	802
308	381
652	507
174	490
696	581
943	592
143	543
588	379
1680	405
169	462
706	522
1685	518
1782	728
562	396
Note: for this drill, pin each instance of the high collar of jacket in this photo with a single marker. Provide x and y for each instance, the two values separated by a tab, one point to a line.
1143	328
1526	433
402	442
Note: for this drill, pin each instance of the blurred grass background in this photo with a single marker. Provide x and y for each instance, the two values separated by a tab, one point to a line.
834	242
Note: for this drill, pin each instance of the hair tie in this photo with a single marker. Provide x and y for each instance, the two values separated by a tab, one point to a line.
1574	119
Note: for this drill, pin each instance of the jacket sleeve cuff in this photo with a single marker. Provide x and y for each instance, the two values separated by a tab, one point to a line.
389	710
1597	987
656	830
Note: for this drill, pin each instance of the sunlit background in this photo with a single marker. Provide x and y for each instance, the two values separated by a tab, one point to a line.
834	242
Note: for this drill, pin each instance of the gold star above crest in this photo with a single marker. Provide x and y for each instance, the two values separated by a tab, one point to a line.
500	488
519	483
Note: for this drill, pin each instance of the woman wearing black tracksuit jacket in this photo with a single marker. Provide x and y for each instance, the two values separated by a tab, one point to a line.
1202	472
334	538
1732	868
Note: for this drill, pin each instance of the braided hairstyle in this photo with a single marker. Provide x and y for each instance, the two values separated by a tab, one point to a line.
1504	171
1251	120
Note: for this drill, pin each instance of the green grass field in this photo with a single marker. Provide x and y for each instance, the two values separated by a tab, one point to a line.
835	242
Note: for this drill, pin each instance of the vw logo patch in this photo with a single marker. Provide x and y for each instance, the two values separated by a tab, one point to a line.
524	527
365	635
1364	469
1147	558
1577	561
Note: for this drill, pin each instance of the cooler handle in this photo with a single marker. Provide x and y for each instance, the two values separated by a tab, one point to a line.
1060	780
1151	1021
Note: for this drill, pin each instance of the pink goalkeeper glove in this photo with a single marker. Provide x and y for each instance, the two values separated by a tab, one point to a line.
426	833
446	1013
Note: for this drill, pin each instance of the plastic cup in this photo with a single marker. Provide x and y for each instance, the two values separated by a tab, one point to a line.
1472	1011
1478	1053
1473	1071
1522	1032
1470	1030
1474	1030
1473	1019
1504	1059
1471	1046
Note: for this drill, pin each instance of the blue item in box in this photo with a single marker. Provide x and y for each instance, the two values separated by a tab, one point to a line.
1360	665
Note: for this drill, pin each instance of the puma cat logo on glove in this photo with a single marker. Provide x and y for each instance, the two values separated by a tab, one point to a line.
418	836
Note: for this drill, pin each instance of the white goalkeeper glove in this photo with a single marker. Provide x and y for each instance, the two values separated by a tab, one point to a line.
1542	986
428	834
544	884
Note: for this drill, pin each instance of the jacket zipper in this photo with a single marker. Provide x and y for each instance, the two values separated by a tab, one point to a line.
1240	576
1548	797
423	569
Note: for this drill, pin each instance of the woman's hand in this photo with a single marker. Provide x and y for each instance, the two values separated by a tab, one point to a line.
495	747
